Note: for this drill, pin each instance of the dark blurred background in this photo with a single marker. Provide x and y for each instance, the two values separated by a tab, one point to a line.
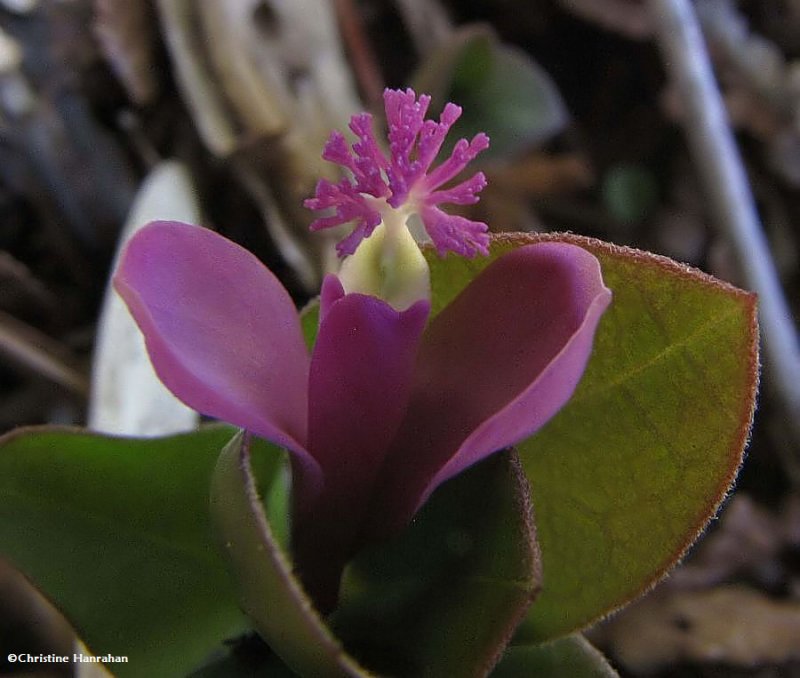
95	94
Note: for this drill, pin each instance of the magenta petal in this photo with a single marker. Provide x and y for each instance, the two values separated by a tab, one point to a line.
332	290
222	332
360	382
493	367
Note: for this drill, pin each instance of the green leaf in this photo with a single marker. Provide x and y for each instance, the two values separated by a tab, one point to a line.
502	90
116	533
443	597
626	476
571	657
273	599
309	322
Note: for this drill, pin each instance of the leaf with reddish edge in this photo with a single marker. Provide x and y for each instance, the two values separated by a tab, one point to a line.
443	597
626	476
270	595
629	472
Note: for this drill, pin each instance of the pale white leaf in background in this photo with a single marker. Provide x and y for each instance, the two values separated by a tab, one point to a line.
127	398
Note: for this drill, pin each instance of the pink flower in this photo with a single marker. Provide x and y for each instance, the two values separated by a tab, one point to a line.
403	181
389	404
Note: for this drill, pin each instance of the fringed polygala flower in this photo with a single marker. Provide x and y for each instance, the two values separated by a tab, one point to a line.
385	198
392	189
390	403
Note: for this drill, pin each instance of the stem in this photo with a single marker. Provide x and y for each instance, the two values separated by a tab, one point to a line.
723	174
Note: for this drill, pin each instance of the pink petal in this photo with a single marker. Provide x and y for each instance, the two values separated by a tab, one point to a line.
493	368
369	159
405	118
433	134
464	152
360	382
454	233
465	193
222	332
349	205
332	290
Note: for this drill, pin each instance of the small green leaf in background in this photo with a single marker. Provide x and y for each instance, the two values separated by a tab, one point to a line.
502	90
625	477
274	600
570	657
116	533
444	597
630	192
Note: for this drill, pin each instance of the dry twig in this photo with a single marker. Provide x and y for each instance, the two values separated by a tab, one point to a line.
362	56
627	17
726	183
427	23
42	355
